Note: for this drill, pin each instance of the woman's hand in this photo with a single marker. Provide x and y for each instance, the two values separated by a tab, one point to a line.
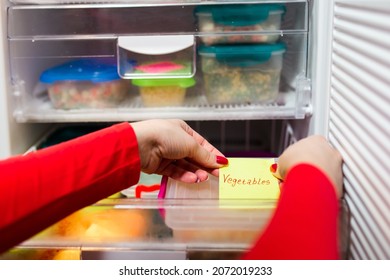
314	150
174	149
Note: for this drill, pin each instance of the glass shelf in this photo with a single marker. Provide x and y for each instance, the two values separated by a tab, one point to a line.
194	108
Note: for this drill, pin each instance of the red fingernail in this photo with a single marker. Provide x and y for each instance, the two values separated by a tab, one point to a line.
273	167
222	160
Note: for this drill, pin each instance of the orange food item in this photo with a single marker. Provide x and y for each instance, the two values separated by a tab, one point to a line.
103	224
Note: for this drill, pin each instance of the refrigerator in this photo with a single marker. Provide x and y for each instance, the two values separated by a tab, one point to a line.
334	81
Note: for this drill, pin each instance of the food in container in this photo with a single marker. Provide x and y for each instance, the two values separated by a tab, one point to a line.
99	223
246	21
163	92
85	83
242	74
174	68
205	220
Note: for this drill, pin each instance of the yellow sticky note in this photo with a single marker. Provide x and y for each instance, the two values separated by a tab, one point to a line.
248	178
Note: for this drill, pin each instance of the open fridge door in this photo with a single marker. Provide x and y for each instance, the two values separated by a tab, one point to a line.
358	119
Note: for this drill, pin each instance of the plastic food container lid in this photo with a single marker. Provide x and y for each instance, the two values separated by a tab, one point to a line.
242	55
92	70
240	15
180	82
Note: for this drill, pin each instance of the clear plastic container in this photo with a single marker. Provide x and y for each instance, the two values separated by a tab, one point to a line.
237	221
156	56
242	74
85	83
163	92
252	18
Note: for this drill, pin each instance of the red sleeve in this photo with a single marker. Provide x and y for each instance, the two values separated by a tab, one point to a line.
42	187
304	225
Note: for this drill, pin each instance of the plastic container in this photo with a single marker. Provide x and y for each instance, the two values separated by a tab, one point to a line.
156	56
242	74
163	92
99	224
234	222
85	83
243	19
148	186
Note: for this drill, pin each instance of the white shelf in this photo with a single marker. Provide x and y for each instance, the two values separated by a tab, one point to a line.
195	108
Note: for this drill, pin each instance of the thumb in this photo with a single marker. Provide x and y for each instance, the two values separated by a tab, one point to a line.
207	158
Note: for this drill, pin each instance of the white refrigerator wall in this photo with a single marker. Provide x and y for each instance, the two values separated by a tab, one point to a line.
15	138
349	66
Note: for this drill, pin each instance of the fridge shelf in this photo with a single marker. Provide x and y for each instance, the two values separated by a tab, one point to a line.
121	226
107	230
194	108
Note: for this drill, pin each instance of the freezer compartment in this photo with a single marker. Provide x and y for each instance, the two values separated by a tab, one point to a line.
43	36
290	97
155	229
143	225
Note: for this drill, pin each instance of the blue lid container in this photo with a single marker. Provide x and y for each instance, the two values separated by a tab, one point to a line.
92	70
85	83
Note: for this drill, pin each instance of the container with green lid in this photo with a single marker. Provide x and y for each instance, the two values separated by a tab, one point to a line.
242	74
163	92
245	21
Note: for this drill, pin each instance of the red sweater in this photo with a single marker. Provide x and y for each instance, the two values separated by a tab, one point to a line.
40	188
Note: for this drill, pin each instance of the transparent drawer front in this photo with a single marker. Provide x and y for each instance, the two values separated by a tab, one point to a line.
173	229
145	18
202	96
141	225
